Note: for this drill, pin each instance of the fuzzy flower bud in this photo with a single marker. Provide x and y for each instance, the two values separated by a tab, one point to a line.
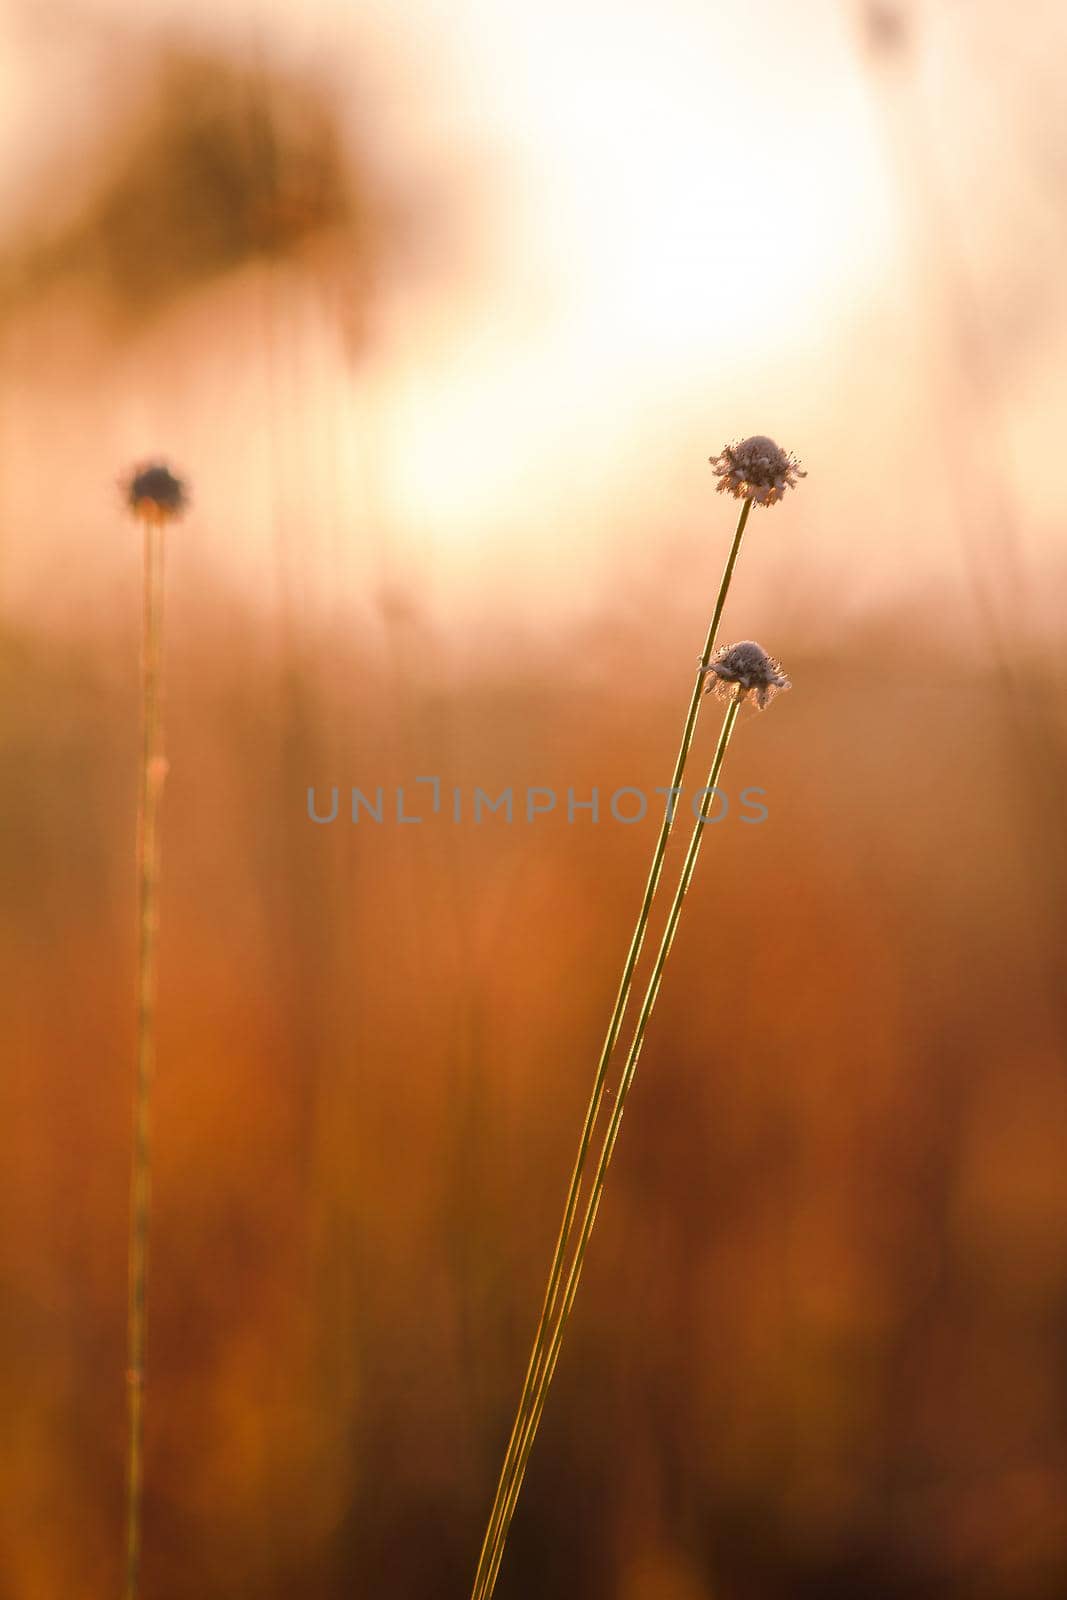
742	669
757	469
154	493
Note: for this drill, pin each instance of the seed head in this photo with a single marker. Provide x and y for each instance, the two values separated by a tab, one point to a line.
746	668
154	493
758	468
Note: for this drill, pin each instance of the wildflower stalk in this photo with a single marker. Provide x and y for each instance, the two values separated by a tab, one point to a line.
536	1366
151	784
529	1426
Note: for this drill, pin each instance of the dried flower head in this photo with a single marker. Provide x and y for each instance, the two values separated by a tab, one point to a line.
746	668
756	468
153	492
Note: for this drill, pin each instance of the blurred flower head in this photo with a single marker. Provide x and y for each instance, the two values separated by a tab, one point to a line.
756	468
153	492
742	669
886	27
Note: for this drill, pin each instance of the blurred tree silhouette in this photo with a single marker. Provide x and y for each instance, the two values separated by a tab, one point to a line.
216	164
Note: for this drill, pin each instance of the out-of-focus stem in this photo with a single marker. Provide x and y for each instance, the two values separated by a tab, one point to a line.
153	768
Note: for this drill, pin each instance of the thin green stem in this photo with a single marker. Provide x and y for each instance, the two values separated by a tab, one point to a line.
537	1403
535	1365
151	783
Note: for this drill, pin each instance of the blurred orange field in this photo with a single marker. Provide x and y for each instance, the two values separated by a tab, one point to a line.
819	1347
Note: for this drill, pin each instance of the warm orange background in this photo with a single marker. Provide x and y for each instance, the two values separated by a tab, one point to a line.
442	309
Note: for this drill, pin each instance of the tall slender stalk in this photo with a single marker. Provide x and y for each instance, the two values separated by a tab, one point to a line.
151	784
528	1430
536	1362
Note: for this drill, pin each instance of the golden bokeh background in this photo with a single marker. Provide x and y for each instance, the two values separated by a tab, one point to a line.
441	310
